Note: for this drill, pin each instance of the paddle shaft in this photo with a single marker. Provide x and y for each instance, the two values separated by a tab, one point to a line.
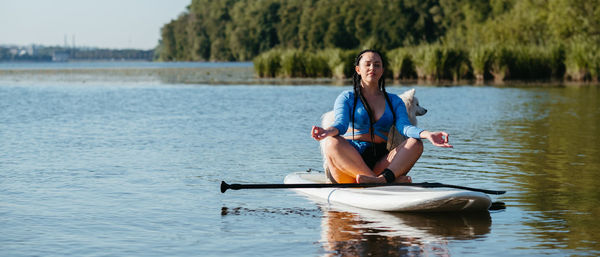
225	186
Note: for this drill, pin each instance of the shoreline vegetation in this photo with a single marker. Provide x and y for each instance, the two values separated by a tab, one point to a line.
234	76
578	62
485	41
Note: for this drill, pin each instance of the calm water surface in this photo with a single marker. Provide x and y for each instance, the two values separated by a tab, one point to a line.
129	169
116	65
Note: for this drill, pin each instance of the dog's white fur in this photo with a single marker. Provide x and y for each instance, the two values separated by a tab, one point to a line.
413	109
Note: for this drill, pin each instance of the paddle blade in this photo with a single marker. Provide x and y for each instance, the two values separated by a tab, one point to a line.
497	206
224	186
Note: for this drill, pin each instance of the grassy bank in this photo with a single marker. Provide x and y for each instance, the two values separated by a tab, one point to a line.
578	61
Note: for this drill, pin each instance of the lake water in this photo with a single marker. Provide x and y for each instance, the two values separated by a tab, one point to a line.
127	168
117	65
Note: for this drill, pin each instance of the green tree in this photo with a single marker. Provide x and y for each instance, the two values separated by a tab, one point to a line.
242	29
167	48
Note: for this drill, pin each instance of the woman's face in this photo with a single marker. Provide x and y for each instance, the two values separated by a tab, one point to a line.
370	68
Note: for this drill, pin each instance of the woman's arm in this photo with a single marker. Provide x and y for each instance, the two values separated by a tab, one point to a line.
403	124
438	138
341	112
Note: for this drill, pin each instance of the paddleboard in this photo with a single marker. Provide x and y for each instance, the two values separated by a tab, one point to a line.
392	198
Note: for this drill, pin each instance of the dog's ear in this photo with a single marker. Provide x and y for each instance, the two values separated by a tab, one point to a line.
408	95
411	93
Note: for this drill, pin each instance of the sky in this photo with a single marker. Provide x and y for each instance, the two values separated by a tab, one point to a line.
115	24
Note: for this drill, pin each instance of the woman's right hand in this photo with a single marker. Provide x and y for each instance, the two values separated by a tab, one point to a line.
319	133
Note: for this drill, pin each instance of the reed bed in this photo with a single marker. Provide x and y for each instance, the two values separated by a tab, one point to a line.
583	61
577	61
294	63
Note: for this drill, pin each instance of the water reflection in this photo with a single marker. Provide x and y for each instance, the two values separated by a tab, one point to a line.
373	233
557	158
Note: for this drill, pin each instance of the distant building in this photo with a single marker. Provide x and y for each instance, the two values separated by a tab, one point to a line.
31	50
60	56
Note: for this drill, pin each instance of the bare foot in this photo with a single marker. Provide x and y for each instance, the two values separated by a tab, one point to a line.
369	179
403	179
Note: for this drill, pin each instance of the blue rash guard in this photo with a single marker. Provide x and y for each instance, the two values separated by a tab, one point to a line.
343	110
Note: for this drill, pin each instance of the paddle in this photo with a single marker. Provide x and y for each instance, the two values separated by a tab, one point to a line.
225	186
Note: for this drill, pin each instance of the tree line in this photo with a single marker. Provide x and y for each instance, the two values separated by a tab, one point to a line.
239	30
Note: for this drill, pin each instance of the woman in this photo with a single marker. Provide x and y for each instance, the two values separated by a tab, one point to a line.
355	149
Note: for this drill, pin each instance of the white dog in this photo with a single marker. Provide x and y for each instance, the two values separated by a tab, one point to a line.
413	109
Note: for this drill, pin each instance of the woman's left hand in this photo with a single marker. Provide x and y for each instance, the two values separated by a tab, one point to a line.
438	138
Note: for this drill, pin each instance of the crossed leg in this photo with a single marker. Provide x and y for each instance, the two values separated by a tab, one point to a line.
347	166
344	161
400	160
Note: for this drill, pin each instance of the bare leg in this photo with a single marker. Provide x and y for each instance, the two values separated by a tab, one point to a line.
400	160
345	163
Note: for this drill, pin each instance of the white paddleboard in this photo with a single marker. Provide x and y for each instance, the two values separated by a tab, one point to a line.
392	198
